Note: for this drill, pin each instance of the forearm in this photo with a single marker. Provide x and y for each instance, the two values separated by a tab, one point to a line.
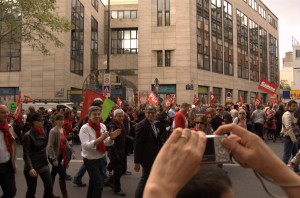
152	189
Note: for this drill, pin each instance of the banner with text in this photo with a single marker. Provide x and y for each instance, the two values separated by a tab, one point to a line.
267	87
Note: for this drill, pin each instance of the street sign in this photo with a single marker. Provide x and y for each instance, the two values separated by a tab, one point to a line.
106	79
106	90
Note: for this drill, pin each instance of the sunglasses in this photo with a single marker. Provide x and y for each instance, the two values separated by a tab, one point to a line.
199	122
242	113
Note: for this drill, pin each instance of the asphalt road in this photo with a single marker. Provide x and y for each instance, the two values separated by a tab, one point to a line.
245	183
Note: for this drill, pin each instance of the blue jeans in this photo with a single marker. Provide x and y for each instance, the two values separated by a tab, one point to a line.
290	149
94	169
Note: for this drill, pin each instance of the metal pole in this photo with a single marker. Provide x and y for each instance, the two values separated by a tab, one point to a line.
108	37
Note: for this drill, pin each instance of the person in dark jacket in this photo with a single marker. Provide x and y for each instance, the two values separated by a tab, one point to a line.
35	158
117	152
146	147
278	116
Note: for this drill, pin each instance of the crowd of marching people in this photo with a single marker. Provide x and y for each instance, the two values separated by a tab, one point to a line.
47	137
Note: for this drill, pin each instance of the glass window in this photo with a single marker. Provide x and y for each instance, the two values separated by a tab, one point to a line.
159	58
133	14
124	41
167	58
114	14
167	12
297	53
159	12
94	44
77	37
95	4
121	14
127	14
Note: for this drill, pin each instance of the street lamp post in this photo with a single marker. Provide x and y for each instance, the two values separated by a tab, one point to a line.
156	85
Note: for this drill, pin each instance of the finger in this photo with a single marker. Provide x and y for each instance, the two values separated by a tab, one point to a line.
235	129
174	136
201	144
185	136
234	147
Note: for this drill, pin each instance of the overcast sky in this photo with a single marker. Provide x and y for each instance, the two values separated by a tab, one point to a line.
288	14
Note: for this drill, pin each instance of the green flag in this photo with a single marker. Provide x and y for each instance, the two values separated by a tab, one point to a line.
106	107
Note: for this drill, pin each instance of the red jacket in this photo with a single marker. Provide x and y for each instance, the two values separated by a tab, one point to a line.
180	120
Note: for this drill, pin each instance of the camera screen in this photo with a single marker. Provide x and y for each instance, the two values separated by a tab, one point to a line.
209	153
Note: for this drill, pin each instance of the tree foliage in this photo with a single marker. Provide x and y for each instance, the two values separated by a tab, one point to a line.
34	22
285	85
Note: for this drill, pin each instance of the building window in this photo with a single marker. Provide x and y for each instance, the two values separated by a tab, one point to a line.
124	41
167	12
10	54
244	95
159	12
273	60
203	35
159	58
242	45
124	14
95	4
228	39
263	53
254	59
77	35
218	94
297	53
167	58
217	36
94	44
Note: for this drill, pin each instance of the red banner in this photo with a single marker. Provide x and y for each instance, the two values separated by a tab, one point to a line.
19	107
196	100
213	99
152	99
257	101
267	86
274	99
168	101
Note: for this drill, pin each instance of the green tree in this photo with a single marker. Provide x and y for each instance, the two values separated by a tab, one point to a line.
34	22
284	85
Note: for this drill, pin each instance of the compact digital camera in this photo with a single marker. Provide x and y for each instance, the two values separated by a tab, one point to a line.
214	152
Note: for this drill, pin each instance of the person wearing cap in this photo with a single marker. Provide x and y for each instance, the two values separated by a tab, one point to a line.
35	157
7	156
146	147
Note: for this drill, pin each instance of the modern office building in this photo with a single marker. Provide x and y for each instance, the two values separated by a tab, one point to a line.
180	47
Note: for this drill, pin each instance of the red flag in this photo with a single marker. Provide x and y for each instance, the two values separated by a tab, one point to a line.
273	99
152	99
213	99
105	93
241	100
257	101
27	99
88	100
139	98
119	102
196	100
168	101
173	99
19	107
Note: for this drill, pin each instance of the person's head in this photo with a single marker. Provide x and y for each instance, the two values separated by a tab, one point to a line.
97	102
242	113
3	113
119	115
150	113
31	109
219	110
209	182
41	110
94	114
291	105
200	122
236	106
58	119
281	107
67	113
259	107
36	119
184	108
208	117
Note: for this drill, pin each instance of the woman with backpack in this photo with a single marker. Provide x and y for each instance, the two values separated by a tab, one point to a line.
241	119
